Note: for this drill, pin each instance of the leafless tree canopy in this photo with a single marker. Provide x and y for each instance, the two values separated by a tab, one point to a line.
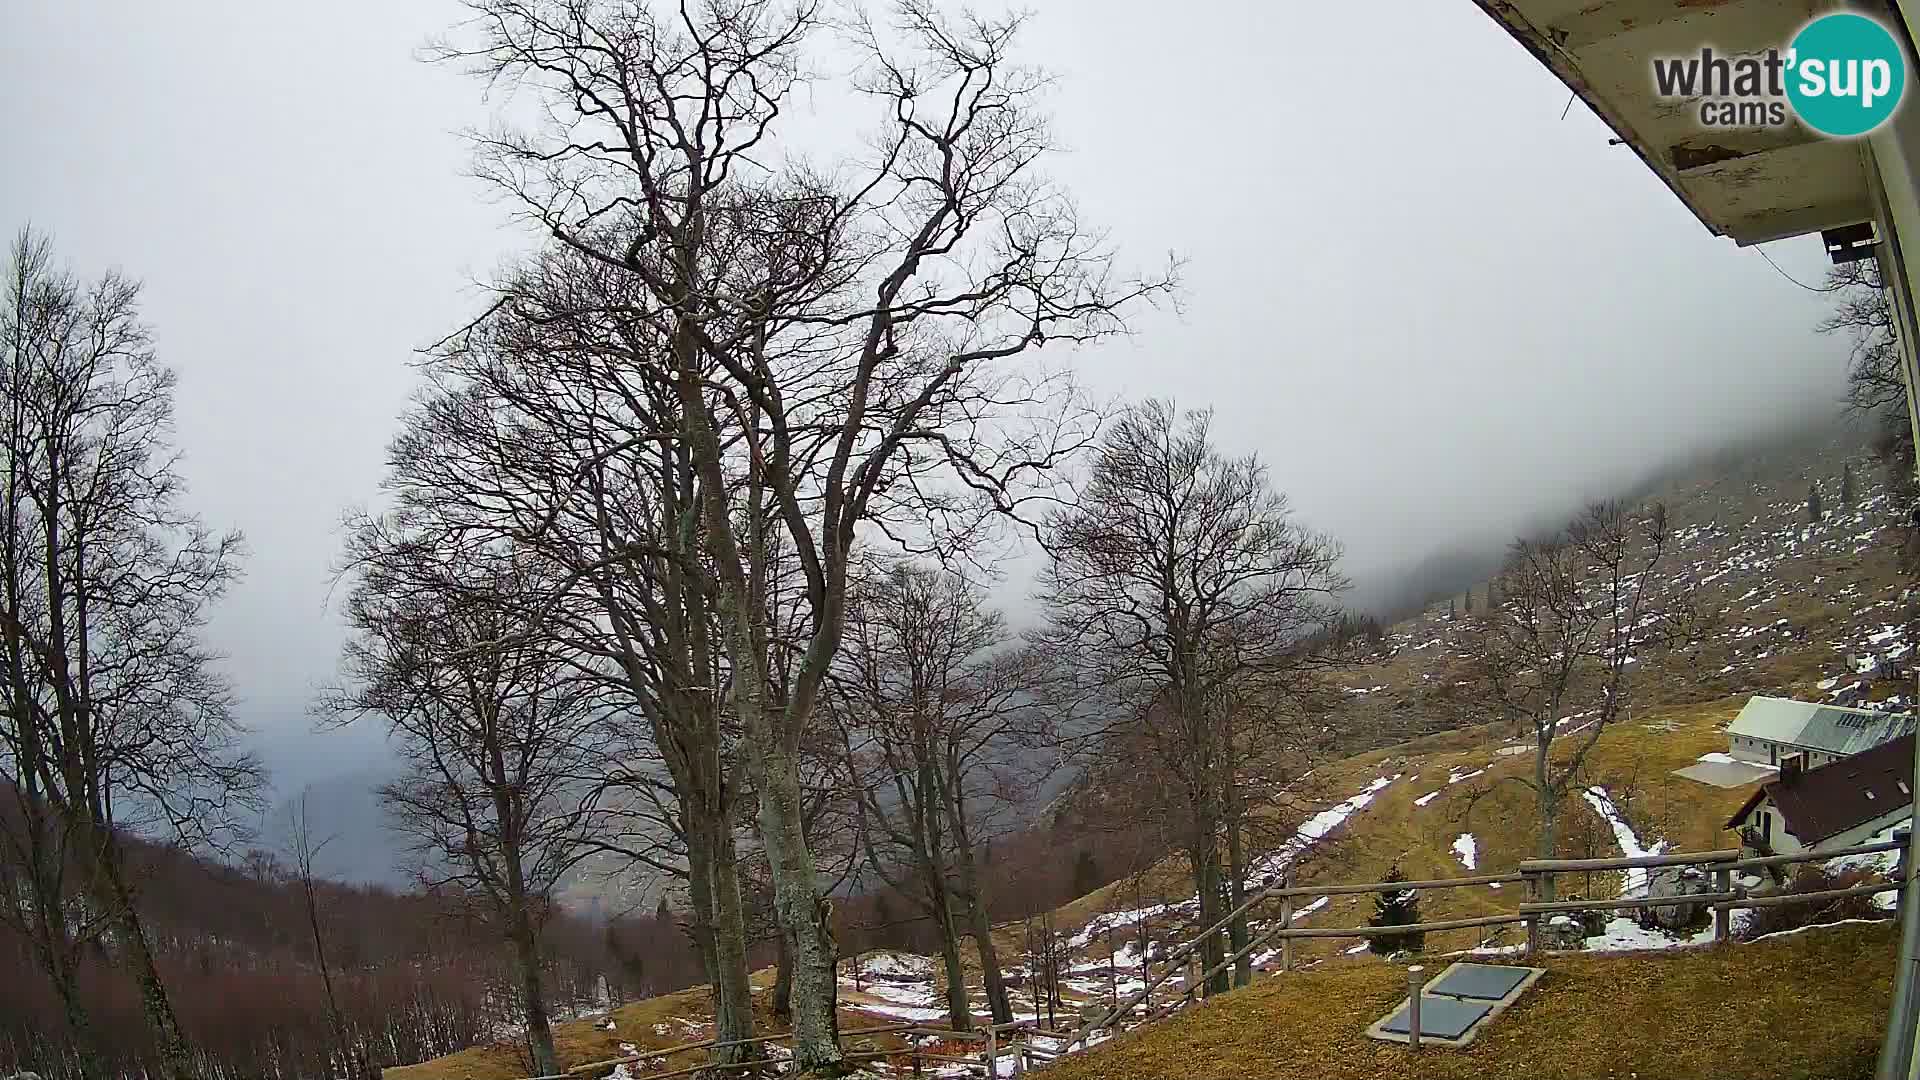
1575	612
945	738
115	717
1182	588
1874	385
837	340
499	734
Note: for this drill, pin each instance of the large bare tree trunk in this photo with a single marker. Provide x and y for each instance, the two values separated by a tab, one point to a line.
783	977
732	990
959	1014
1239	934
999	1004
111	891
1547	841
796	899
1203	850
771	753
526	945
719	930
526	950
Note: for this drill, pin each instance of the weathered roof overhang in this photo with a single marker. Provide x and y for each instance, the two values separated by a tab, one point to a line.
1753	184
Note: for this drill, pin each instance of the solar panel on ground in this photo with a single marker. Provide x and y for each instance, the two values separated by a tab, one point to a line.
1442	1018
1488	982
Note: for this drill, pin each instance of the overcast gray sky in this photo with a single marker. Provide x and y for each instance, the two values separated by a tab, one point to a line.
1427	300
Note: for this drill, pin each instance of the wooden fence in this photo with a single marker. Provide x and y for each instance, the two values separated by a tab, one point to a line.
1018	1038
996	1041
1536	874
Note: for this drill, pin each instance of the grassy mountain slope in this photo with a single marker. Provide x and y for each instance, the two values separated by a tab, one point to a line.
1791	600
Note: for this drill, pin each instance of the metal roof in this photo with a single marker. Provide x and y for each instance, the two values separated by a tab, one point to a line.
1814	726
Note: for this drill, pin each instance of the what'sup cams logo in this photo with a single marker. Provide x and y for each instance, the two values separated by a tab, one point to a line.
1842	75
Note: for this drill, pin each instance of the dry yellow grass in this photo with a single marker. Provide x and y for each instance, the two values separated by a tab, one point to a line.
654	1024
1633	759
1391	831
1808	1005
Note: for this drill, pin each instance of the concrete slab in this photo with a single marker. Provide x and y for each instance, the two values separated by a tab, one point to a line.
1447	1007
1726	774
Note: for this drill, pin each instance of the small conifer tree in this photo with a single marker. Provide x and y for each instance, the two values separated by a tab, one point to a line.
1396	907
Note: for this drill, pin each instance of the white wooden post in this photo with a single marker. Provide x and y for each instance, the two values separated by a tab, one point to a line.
1413	1007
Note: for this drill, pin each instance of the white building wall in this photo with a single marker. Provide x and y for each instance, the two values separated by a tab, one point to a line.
1780	840
1747	748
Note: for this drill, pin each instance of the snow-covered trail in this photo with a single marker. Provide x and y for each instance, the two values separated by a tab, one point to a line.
1316	828
1636	878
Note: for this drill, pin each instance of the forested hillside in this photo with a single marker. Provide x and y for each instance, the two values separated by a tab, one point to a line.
412	975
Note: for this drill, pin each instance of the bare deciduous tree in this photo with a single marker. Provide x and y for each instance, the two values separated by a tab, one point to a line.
940	727
1181	585
115	718
1875	388
837	339
1577	611
500	738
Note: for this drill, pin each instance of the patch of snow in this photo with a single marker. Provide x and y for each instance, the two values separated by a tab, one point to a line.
1624	935
894	965
1316	829
1427	798
1817	926
1456	776
1636	878
899	1012
1360	948
913	994
1466	849
1100	924
1718	758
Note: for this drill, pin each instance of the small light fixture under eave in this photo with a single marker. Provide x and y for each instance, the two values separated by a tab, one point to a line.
1849	243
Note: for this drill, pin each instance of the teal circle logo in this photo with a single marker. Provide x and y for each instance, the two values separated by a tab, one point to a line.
1846	74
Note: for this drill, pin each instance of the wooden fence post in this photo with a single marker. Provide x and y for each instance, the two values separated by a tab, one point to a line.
1533	919
1722	917
1413	1007
1286	920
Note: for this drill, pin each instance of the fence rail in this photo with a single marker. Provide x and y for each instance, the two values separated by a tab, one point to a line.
1538	874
